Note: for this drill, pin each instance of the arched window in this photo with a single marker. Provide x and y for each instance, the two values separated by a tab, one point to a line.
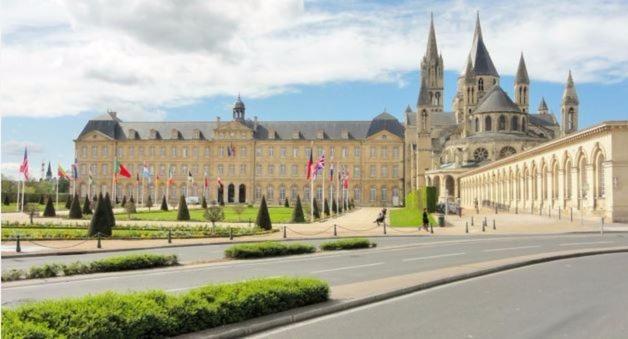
477	124
525	95
481	84
424	119
523	124
514	123
437	96
488	123
502	123
600	175
568	180
570	117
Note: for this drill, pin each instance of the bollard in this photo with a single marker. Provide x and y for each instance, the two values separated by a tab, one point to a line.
98	245
170	236
284	232
230	233
494	228
484	226
431	228
384	228
466	227
18	247
571	214
549	212
31	216
602	227
471	221
495	208
485	222
581	218
335	232
516	209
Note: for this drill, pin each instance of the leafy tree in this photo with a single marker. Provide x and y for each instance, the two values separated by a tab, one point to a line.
286	204
204	203
7	200
49	211
184	213
100	223
123	201
326	207
239	209
68	202
297	212
130	208
87	206
316	212
213	214
164	204
149	202
75	209
263	217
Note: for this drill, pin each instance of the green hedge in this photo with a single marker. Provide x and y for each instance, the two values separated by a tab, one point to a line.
346	244
267	249
111	264
158	314
424	197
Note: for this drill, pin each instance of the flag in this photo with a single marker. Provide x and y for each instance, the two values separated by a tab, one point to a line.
230	151
308	169
24	165
331	173
190	177
170	176
61	173
75	169
90	179
345	178
320	165
118	168
146	171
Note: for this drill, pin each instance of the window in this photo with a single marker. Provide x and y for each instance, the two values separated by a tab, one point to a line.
319	151
396	152
206	170
282	193
184	169
357	151
481	84
83	170
570	119
162	151
258	169
295	152
384	152
523	124
84	151
501	125
271	151
258	152
185	152
332	151
220	169
221	151
173	151
294	170
104	169
372	171
195	152
357	194
384	194
94	151
242	169
293	193
140	151
514	124
345	152
151	151
384	171
373	194
282	169
105	151
372	152
282	152
480	154
488	124
477	124
395	171
271	169
258	193
356	171
207	153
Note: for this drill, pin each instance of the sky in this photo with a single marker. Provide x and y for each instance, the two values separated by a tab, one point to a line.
62	62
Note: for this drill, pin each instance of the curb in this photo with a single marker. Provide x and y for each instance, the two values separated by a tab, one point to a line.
333	306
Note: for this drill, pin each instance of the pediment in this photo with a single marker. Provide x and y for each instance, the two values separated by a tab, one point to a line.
95	136
383	136
233	130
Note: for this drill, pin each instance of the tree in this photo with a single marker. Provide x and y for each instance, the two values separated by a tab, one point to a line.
75	209
213	214
130	208
7	200
184	213
263	217
87	207
316	212
334	207
123	201
100	221
49	211
68	202
109	209
164	204
149	202
239	209
41	199
325	207
297	213
204	203
286	204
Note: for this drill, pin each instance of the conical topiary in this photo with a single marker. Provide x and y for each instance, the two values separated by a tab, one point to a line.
184	213
164	204
149	202
49	211
204	203
87	206
110	217
326	207
316	212
100	219
75	209
123	201
132	199
68	202
334	206
286	204
263	217
297	213
6	200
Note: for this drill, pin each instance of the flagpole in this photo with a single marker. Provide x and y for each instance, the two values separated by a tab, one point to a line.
23	191
323	193
338	188
311	183
17	201
57	199
142	184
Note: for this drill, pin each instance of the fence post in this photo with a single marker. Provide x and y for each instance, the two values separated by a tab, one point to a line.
98	245
495	208
602	226
284	232
18	246
384	227
517	209
471	221
484	226
170	236
431	228
230	233
466	227
485	222
494	228
549	211
335	231
571	214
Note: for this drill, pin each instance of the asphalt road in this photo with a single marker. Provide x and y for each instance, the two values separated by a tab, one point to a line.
575	298
337	268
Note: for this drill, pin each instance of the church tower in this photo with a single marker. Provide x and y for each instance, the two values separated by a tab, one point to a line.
238	109
522	84
484	71
432	79
569	107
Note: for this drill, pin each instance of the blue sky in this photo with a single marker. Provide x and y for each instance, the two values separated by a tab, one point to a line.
65	62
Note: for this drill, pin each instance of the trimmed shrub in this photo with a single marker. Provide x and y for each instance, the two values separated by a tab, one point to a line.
132	199
156	314
164	204
297	213
431	198
13	274
130	208
334	206
326	207
267	249
286	204
316	212
346	244
123	204
263	217
100	220
49	211
109	209
44	271
68	202
6	201
75	209
214	214
204	203
183	213
149	202
87	206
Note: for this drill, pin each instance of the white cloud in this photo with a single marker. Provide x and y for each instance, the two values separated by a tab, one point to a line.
140	57
16	148
10	169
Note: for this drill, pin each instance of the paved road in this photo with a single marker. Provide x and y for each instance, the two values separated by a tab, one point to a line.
337	268
575	298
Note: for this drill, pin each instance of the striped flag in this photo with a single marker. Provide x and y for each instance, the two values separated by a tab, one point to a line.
24	165
170	180
190	177
75	169
308	169
62	174
320	165
331	172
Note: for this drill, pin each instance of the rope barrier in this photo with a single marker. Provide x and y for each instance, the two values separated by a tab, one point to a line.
412	230
309	234
360	230
58	248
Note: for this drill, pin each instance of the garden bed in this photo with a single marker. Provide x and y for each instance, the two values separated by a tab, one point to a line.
267	249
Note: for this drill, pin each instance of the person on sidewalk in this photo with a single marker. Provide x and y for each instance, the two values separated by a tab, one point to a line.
381	216
426	219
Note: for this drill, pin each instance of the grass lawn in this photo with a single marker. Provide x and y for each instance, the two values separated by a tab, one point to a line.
12	207
277	215
405	217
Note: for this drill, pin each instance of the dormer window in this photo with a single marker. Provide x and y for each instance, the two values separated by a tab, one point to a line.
175	134
272	133
133	134
344	134
296	134
320	134
197	134
154	134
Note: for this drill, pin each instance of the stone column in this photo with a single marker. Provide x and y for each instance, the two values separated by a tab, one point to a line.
561	189
550	189
575	193
590	191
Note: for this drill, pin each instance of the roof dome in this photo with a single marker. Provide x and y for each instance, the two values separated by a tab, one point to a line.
385	121
496	100
238	103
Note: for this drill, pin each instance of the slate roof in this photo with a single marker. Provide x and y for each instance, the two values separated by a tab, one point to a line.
542	119
496	100
522	72
481	60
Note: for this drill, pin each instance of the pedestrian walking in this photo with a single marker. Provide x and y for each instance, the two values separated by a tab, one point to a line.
426	219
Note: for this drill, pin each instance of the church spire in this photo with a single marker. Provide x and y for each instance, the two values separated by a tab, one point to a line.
569	107
480	58
569	95
522	72
543	106
431	52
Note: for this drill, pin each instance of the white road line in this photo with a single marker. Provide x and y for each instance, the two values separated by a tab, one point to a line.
510	248
433	257
347	268
586	243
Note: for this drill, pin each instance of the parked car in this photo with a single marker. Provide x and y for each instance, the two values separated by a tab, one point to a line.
192	200
452	208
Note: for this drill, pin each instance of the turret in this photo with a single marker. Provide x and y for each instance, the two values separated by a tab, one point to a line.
432	74
543	107
522	83
569	107
238	109
486	75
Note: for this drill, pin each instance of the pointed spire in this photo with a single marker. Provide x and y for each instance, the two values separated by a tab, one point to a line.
522	72
408	109
432	50
543	106
478	29
481	60
424	99
569	95
570	80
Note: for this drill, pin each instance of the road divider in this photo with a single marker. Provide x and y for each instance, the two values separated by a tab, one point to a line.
434	257
347	244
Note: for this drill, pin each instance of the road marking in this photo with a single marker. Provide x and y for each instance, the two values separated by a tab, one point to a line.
510	248
347	268
433	256
586	243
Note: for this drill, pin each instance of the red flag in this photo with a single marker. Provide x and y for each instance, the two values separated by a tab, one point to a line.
120	169
308	169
